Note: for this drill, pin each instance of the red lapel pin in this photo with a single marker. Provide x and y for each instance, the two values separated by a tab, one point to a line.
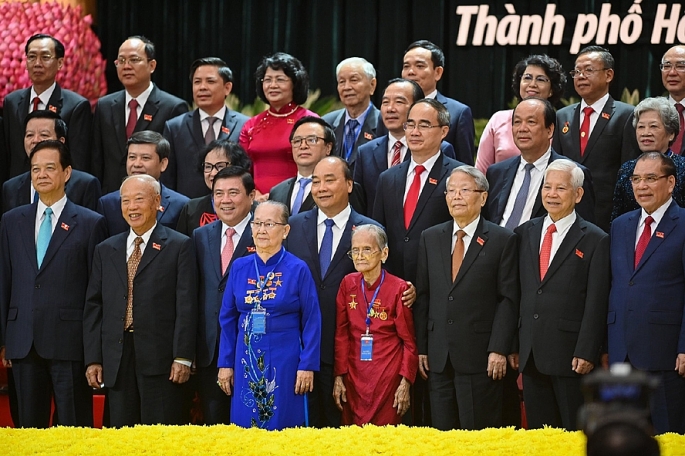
225	130
368	135
606	115
252	249
64	226
52	108
659	234
156	246
147	117
432	181
579	254
480	240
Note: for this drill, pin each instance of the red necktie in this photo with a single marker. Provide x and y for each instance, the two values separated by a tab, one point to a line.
396	153
585	129
678	143
227	251
36	102
644	240
132	117
546	250
413	195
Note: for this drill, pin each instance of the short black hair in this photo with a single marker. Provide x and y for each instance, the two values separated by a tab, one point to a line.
60	125
59	47
64	154
416	88
292	68
149	45
347	171
667	166
328	134
552	69
549	114
605	55
234	152
443	113
223	69
163	148
437	56
236	171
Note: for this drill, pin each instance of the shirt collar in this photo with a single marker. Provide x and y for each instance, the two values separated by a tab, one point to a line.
340	219
130	240
219	114
657	215
598	105
362	116
433	94
428	164
45	96
57	207
469	229
239	228
142	98
540	164
562	225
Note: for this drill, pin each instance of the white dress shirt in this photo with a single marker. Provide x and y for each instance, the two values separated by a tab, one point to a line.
469	229
141	99
536	176
339	223
296	188
239	230
597	106
428	164
57	209
657	215
391	148
562	226
44	97
204	123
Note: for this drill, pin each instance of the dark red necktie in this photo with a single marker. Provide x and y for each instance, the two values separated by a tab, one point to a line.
396	153
413	195
546	250
678	143
36	102
132	117
585	129
644	240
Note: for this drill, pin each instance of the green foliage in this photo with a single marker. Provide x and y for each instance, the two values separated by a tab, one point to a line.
480	126
569	101
314	103
632	98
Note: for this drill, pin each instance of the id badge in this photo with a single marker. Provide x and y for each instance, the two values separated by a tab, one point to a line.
367	347
259	321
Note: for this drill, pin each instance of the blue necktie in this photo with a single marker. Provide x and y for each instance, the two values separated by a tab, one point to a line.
326	250
44	234
520	201
304	181
350	137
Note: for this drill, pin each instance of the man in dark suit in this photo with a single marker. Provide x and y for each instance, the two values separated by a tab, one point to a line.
81	188
673	77
141	347
147	152
463	344
140	106
424	62
647	300
217	245
331	187
564	271
391	149
356	123
603	139
44	58
532	128
212	81
47	248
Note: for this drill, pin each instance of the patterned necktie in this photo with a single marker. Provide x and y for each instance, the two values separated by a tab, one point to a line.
413	195
585	129
458	254
44	235
520	201
546	250
326	250
36	103
678	143
133	262
396	149
644	240
227	252
210	135
132	117
350	137
299	198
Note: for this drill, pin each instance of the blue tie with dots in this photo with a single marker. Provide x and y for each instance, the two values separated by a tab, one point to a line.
326	250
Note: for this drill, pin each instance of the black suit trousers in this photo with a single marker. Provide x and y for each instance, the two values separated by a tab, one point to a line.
216	405
322	409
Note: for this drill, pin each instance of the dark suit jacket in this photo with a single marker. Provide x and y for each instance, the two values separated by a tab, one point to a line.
563	315
372	160
477	313
207	241
368	132
611	143
72	108
171	205
184	134
43	308
303	243
501	179
81	188
431	209
196	212
646	306
164	304
109	131
284	191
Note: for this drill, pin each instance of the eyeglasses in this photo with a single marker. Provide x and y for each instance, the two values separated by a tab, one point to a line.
423	127
528	78
587	72
278	81
267	225
311	140
650	179
465	192
208	167
364	253
131	61
45	58
668	66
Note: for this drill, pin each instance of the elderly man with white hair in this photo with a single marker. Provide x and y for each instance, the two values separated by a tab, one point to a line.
356	123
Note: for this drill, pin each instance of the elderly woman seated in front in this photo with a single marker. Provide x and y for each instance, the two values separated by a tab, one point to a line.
375	347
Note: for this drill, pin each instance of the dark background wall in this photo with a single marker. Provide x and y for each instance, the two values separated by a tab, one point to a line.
321	33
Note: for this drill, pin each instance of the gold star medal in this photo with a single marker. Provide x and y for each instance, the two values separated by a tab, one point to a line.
353	304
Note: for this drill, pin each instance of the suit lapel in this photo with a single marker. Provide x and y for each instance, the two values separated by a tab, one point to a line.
245	244
164	204
65	226
534	235
119	119
574	132
480	238
507	185
339	129
214	245
437	173
156	244
27	229
445	239
572	238
380	155
661	232
118	258
195	128
55	101
228	124
312	241
399	184
24	196
630	233
23	105
345	241
602	121
149	111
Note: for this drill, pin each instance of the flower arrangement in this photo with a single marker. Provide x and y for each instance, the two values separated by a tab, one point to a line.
169	440
84	68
